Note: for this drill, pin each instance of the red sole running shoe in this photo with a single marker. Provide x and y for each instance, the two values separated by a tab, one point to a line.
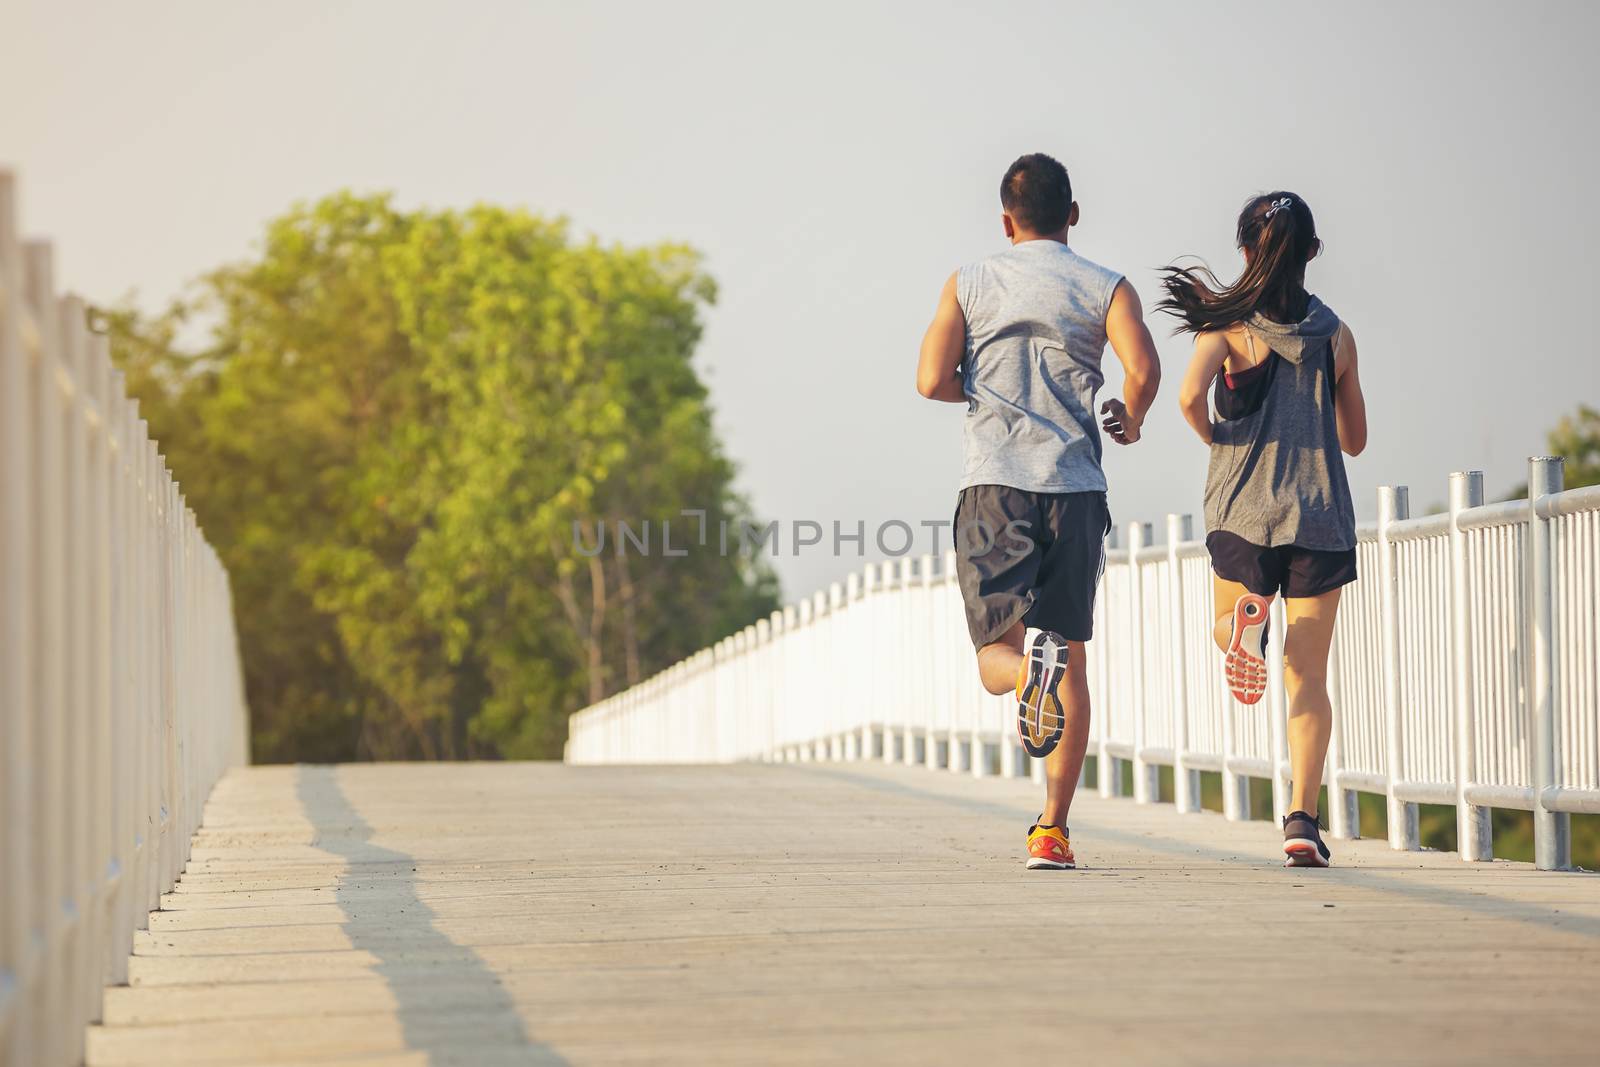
1303	854
1302	842
1245	666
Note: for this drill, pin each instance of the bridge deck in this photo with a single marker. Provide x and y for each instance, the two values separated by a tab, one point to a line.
506	913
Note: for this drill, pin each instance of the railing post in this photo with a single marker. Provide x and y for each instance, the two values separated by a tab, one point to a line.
1278	711
870	634
1393	505
715	712
1185	782
51	785
1107	781
1235	786
759	679
785	684
94	385
958	746
1013	759
818	653
1552	841
1344	805
1473	831
856	656
910	734
804	622
731	705
706	711
933	694
741	704
755	693
22	901
146	733
978	748
838	736
75	803
171	771
1146	776
888	630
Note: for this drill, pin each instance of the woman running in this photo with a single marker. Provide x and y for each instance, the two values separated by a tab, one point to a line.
1279	519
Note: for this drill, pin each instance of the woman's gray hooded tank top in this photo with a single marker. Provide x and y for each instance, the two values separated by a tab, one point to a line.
1277	474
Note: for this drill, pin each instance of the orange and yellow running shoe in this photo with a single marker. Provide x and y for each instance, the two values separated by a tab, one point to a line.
1049	849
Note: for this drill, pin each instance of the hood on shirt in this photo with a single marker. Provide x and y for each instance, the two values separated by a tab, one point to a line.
1292	340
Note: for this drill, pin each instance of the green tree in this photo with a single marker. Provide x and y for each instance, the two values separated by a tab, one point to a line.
397	424
1576	439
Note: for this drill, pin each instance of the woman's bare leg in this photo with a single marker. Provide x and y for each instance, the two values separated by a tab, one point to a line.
1224	595
1305	675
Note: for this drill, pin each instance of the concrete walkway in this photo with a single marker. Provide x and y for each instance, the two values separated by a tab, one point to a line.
527	913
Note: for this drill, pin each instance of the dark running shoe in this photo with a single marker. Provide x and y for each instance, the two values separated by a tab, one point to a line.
1039	715
1302	842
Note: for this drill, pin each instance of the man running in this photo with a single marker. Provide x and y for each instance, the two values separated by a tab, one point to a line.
1018	337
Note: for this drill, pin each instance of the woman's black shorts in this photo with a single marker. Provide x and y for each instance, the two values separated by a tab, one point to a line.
1288	569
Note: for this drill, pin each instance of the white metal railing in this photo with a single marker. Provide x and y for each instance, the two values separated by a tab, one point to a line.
120	695
1464	672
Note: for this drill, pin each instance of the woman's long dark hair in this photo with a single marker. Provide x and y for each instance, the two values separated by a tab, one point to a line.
1277	231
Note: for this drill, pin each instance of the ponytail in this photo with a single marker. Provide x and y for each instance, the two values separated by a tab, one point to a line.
1278	232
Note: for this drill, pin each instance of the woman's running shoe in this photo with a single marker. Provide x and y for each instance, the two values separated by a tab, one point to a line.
1246	663
1039	715
1049	849
1302	841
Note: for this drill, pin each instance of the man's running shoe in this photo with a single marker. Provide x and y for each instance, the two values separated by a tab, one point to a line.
1302	841
1039	716
1246	663
1049	849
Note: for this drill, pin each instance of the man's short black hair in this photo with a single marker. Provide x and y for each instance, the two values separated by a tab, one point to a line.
1037	193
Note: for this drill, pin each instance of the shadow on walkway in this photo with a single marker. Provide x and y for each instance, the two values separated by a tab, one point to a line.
1466	899
449	1003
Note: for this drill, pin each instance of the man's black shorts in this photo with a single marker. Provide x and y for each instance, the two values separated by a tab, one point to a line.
1295	572
1030	556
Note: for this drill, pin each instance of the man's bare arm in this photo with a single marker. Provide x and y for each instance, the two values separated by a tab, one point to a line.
1141	367
943	346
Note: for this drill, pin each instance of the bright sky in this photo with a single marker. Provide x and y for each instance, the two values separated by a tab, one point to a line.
836	161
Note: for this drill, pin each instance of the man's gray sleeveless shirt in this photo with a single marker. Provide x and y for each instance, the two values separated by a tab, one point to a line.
1036	330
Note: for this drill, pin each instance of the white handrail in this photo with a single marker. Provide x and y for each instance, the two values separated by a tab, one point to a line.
121	700
1464	672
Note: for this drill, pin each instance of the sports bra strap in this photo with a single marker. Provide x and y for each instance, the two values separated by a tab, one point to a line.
1250	339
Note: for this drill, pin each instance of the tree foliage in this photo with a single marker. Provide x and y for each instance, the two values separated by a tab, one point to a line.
394	426
1576	439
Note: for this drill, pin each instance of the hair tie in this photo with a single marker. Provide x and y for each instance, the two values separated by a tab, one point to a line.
1278	205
